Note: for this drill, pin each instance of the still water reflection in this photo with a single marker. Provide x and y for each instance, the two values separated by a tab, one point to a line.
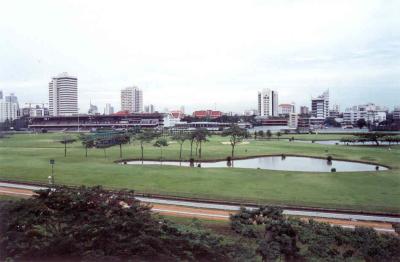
288	163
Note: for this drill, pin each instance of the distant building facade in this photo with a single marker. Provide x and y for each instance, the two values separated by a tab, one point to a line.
293	120
369	112
304	110
250	112
207	114
149	109
121	120
8	107
93	109
35	111
320	106
63	95
8	111
108	110
268	103
286	109
396	113
132	100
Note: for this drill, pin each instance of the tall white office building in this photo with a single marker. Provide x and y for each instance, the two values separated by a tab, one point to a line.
8	108
132	100
320	106
63	95
268	103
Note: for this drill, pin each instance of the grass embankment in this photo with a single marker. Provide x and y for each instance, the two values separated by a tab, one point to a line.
26	158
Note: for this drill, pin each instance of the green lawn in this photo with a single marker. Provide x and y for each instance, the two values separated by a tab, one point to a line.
26	158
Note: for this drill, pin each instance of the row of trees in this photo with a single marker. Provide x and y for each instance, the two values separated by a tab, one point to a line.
268	134
196	138
372	137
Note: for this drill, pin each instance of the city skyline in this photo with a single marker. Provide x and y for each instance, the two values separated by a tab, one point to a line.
298	49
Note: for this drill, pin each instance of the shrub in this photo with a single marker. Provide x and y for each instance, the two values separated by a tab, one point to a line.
98	225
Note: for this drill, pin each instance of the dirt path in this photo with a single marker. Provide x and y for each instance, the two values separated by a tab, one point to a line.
15	192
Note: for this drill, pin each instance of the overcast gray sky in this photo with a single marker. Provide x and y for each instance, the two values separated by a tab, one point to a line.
203	53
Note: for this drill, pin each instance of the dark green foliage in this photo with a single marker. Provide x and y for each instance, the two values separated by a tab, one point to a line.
97	225
269	134
371	137
396	227
361	123
296	240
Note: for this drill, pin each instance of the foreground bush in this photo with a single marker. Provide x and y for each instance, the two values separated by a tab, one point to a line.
92	224
97	225
292	239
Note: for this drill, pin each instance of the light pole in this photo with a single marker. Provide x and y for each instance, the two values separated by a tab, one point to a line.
51	178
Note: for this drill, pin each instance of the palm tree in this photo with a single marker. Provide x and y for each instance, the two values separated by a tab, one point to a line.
161	142
180	138
278	134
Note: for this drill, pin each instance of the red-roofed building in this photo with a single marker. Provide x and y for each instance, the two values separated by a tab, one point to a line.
122	113
207	113
177	114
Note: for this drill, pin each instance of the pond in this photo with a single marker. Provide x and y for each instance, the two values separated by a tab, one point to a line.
288	163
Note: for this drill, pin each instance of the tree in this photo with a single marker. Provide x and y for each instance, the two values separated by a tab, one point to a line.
361	123
121	139
66	140
180	138
371	137
278	134
104	143
269	134
87	141
261	133
145	137
201	135
6	125
161	142
236	135
192	138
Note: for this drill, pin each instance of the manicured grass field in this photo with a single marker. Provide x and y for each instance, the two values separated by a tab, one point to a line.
26	158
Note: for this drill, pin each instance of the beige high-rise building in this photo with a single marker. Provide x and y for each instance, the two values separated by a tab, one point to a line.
132	100
63	95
